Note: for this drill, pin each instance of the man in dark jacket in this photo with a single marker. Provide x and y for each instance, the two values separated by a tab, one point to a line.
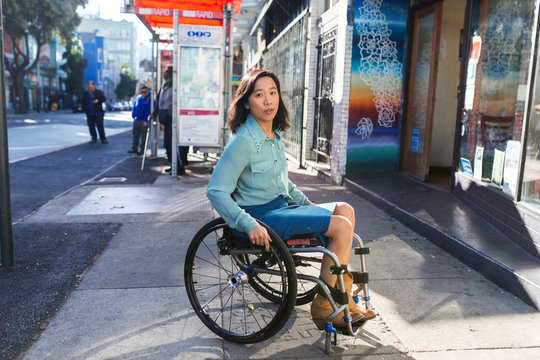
92	104
163	112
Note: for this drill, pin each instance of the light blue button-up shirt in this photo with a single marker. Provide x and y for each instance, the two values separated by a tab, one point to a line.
253	169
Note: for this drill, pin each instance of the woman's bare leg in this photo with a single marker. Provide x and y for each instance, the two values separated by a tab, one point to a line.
340	232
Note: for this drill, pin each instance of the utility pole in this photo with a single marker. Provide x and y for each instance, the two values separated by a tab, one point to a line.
174	146
155	89
227	67
6	233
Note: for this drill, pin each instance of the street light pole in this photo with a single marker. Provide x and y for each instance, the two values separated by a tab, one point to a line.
6	234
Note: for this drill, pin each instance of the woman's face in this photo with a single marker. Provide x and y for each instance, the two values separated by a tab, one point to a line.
263	102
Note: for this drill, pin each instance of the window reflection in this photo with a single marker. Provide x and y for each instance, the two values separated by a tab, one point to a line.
495	88
531	173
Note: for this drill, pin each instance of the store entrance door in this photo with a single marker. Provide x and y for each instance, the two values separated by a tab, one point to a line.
421	90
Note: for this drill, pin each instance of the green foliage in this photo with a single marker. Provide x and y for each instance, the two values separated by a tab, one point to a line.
127	85
74	68
35	20
40	18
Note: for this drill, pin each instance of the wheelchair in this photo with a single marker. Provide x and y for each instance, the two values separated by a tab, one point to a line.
245	294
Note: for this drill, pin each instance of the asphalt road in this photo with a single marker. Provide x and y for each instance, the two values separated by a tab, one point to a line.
40	133
50	257
66	160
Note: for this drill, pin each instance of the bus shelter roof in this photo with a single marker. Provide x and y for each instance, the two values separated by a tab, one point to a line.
159	13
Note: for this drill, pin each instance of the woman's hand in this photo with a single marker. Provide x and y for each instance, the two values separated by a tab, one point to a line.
259	236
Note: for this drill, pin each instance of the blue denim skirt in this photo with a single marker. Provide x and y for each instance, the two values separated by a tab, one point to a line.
288	220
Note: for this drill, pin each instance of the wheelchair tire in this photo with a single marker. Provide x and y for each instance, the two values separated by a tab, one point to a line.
218	278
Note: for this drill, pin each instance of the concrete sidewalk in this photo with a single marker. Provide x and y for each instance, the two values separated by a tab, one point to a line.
132	302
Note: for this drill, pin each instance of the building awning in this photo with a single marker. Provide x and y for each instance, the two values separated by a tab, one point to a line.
159	13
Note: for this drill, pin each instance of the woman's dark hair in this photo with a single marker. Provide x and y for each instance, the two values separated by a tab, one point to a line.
238	113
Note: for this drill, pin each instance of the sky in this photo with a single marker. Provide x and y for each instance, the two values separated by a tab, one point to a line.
110	9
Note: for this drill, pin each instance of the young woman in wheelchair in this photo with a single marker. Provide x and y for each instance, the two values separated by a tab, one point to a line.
250	181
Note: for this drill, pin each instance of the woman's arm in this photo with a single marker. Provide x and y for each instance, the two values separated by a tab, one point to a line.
297	196
230	166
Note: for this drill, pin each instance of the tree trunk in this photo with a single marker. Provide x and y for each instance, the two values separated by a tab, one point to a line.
20	96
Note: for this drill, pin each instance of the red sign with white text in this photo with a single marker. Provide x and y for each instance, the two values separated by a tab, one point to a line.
194	14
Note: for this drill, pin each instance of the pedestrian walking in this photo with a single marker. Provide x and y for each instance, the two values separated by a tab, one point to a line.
250	181
140	113
92	103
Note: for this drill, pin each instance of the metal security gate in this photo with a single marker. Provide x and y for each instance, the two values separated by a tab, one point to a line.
286	56
324	102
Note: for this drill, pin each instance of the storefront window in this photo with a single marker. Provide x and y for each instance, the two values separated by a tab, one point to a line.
495	90
531	173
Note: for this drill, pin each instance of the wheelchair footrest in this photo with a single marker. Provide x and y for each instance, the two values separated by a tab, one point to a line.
344	330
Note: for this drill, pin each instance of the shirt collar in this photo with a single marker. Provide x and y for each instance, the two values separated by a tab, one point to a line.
259	137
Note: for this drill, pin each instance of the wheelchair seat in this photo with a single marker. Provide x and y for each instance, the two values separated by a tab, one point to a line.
303	240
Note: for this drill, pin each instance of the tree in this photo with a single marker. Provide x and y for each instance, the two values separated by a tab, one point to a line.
127	85
35	20
74	68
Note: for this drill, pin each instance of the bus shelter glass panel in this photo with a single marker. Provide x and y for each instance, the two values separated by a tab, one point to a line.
199	96
495	89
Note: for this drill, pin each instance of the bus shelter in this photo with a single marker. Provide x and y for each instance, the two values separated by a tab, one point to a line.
202	67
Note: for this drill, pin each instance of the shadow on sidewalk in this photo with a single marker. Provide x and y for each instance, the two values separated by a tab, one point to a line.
49	260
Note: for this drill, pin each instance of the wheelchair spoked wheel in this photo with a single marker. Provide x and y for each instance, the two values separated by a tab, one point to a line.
268	285
310	265
219	284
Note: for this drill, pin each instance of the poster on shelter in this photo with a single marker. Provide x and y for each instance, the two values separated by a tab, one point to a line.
378	55
199	96
165	60
199	77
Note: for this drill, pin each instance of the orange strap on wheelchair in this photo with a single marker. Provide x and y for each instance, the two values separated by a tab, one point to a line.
306	240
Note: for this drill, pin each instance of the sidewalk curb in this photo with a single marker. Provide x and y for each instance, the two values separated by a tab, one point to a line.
493	270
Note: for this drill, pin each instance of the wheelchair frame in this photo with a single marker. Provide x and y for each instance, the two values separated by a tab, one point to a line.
247	271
